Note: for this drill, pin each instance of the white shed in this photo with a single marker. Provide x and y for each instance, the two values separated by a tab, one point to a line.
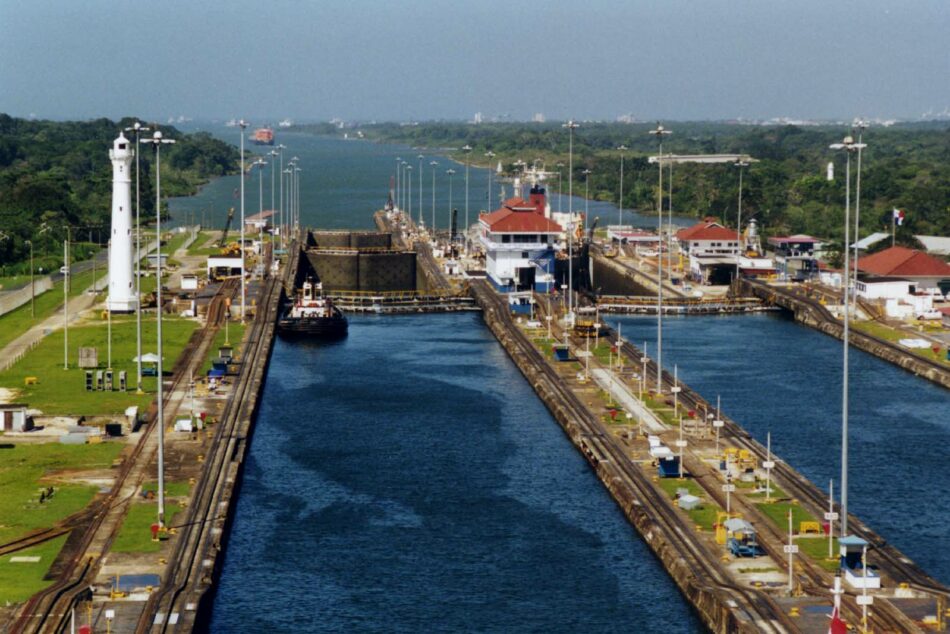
13	417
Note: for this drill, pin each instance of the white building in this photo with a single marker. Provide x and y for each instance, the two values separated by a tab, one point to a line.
711	251
519	244
122	297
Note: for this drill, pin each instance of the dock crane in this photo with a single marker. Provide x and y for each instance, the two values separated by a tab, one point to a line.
227	227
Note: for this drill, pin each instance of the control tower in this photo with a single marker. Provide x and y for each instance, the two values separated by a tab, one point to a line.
122	297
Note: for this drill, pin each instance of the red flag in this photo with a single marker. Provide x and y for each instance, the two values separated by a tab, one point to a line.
837	626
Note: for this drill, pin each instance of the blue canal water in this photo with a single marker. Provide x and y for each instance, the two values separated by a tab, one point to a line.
777	376
408	479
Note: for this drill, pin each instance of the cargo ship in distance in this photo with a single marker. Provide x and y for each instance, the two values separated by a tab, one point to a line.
263	136
312	315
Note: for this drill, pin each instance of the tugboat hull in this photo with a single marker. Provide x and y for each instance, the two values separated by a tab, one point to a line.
313	327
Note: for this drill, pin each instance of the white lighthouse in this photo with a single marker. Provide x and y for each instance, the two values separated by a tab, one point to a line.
121	288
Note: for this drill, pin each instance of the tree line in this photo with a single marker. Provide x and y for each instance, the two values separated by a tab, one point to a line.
906	166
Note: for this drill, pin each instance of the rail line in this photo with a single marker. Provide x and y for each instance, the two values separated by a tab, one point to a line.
50	608
169	608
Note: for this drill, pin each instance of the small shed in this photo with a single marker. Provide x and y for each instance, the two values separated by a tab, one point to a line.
856	572
13	417
688	502
189	282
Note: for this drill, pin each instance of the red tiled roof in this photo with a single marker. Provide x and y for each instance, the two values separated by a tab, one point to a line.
506	220
706	231
903	262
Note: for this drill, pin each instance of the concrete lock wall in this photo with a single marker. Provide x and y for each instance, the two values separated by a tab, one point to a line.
387	272
337	271
332	239
610	281
371	240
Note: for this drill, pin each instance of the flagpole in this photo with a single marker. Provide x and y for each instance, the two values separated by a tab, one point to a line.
893	226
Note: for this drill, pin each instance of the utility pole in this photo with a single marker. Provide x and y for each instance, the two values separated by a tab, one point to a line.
659	132
66	301
571	125
138	128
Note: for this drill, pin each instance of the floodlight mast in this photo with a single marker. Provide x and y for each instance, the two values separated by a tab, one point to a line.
158	140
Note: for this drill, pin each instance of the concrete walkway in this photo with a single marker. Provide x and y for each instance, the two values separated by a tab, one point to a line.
622	394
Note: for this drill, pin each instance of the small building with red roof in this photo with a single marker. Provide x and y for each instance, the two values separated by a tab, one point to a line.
519	244
712	251
925	270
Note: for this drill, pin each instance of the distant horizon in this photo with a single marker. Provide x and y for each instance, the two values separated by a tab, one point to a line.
678	60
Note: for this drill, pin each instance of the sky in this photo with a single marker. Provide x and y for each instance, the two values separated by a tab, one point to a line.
402	60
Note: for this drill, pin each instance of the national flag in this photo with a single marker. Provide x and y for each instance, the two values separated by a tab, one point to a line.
837	626
898	216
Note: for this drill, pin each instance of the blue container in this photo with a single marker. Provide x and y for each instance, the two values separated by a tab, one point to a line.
561	352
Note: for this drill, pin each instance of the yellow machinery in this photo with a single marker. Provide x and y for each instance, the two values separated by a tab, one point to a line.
720	526
231	249
746	460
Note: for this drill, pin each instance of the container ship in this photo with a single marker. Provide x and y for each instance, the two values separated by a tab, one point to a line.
263	136
312	315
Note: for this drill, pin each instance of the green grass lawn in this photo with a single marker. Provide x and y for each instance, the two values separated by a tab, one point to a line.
817	548
172	489
135	536
778	513
19	581
8	282
22	467
235	333
892	334
62	391
198	246
777	493
17	322
705	514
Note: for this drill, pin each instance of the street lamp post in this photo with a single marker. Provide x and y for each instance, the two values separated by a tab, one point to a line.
420	157
158	141
409	195
297	171
138	128
587	172
659	132
398	182
242	124
490	155
740	164
560	166
433	165
273	168
622	148
450	172
280	149
849	147
467	149
861	126
571	125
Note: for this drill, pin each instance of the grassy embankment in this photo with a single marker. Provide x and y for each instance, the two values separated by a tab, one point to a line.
26	468
60	391
17	322
22	579
893	334
234	334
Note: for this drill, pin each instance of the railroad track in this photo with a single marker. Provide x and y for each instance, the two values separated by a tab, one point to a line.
887	617
173	605
49	609
759	609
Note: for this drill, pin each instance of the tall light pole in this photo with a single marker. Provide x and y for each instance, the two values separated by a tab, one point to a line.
398	181
450	172
138	129
861	126
405	198
571	125
260	163
669	226
490	155
623	149
659	132
420	157
740	164
66	301
468	150
280	150
273	168
560	166
287	172
242	124
297	171
409	194
32	285
158	141
587	172
849	147
433	165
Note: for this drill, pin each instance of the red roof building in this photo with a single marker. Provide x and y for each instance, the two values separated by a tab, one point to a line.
906	263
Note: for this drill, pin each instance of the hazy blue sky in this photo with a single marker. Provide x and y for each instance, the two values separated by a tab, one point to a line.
423	59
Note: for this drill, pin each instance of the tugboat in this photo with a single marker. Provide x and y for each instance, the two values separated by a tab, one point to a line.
312	315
